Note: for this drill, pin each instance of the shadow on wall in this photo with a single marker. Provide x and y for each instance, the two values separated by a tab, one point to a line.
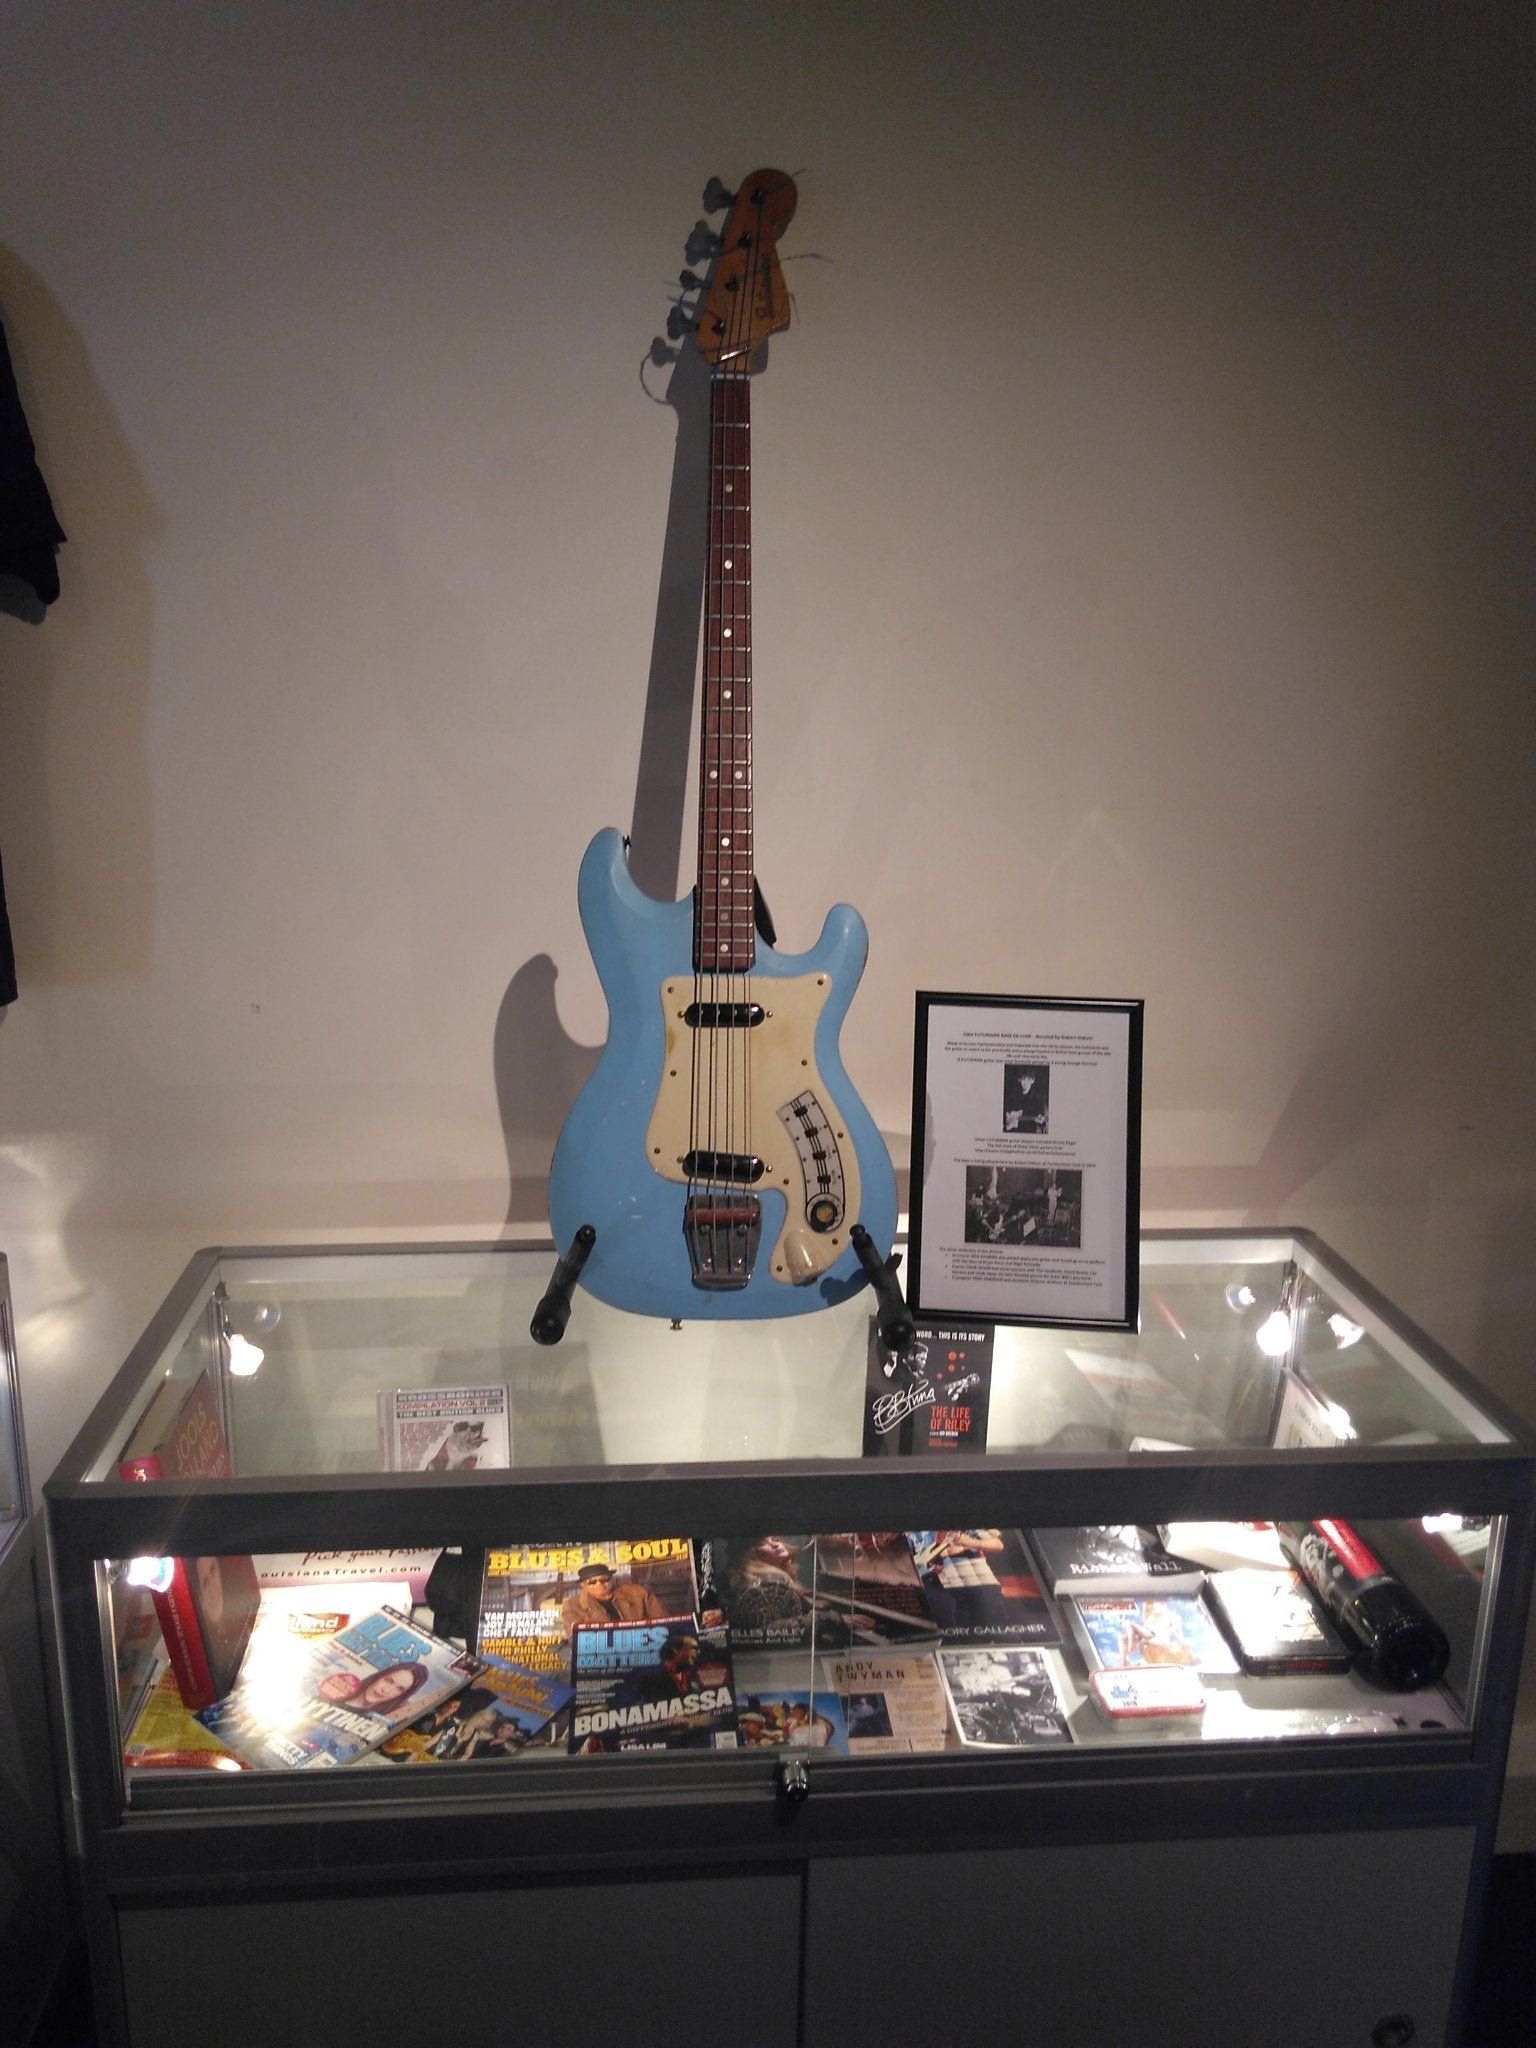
539	1068
74	690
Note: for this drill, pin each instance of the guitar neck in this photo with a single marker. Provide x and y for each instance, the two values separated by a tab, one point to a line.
724	921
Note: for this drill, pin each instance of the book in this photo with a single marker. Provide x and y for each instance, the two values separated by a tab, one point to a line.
532	1596
507	1710
1003	1698
1273	1623
1119	1632
931	1398
323	1568
444	1429
330	1700
784	1592
205	1605
138	1652
770	1719
893	1704
980	1586
1112	1558
663	1684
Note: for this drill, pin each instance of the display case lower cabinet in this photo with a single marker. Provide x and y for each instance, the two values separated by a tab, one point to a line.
37	1916
1244	1942
1247	1942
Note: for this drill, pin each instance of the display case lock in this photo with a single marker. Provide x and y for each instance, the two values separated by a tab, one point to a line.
794	1781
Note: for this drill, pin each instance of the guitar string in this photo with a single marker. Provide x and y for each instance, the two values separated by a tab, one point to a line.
726	1081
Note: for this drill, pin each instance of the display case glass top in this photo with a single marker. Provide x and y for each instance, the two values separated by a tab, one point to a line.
304	1343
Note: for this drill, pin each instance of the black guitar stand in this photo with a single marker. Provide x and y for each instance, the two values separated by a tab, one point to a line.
898	1332
554	1309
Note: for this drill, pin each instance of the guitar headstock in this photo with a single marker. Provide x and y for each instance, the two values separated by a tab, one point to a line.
746	300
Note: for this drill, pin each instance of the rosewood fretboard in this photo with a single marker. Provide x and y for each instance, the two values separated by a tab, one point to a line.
724	931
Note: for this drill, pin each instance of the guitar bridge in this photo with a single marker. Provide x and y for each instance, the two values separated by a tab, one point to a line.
722	1238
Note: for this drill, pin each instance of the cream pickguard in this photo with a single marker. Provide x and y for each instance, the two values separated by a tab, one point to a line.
788	1119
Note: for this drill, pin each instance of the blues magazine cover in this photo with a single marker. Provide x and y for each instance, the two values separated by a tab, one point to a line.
338	1697
652	1685
532	1596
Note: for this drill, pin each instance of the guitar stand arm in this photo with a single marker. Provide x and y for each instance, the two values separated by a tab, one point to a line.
554	1309
898	1331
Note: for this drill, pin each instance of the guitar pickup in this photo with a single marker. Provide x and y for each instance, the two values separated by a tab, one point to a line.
742	1167
724	1016
722	1239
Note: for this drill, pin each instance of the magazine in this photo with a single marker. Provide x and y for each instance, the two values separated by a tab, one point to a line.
981	1587
791	1720
651	1685
508	1709
892	1705
533	1595
1120	1632
1004	1698
1112	1558
444	1429
329	1700
165	1734
836	1592
205	1605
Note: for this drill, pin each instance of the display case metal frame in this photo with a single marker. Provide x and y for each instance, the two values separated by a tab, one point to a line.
282	1835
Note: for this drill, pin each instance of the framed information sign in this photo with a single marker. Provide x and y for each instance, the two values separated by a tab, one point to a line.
1026	1160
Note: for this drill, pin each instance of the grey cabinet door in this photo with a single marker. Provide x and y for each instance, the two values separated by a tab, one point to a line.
655	1961
1266	1942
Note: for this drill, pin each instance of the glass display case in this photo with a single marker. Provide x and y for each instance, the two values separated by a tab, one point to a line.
1228	1604
35	1910
13	1467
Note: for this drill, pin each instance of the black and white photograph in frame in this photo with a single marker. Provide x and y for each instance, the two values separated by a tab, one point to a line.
1024	1205
1026	1098
1026	1156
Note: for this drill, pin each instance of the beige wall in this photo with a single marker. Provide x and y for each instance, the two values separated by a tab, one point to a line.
1142	508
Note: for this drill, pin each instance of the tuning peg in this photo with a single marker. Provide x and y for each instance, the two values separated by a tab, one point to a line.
679	324
702	244
688	281
717	197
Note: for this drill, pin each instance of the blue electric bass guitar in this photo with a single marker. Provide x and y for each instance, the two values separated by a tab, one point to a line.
718	1149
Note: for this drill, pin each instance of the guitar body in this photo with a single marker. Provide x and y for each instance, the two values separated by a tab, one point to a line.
817	1162
718	1151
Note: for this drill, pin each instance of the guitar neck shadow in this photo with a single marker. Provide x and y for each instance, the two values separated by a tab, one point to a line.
539	1068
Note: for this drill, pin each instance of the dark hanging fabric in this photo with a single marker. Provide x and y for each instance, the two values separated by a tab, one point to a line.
7	952
30	535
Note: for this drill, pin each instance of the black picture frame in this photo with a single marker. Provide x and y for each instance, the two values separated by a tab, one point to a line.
1025	1201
